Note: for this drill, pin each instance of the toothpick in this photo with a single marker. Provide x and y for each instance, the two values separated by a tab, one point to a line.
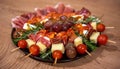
111	41
27	55
101	16
55	61
110	27
15	49
88	53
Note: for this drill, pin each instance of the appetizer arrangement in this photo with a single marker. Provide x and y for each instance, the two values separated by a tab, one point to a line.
58	33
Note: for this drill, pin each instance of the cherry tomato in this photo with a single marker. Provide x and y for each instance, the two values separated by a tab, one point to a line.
57	54
22	44
81	48
102	39
34	50
100	27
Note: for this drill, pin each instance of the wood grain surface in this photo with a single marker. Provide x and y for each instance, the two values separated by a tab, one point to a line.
105	57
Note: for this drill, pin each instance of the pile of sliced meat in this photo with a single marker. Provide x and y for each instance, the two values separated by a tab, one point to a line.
60	8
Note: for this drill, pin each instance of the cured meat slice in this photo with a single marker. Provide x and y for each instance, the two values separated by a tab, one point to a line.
25	16
38	11
16	23
31	15
50	9
46	41
84	12
20	20
60	8
68	9
15	26
41	12
32	37
24	19
43	39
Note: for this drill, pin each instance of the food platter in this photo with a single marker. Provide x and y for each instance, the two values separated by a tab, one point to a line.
58	34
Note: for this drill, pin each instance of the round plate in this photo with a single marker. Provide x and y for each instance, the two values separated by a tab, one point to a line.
63	60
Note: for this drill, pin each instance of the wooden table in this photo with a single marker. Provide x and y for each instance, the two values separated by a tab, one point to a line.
106	57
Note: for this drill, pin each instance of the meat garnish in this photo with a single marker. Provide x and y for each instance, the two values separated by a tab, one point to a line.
60	8
68	9
84	12
25	15
50	9
16	23
38	11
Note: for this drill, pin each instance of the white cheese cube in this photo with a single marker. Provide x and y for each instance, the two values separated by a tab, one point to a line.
58	46
94	36
84	25
30	42
78	41
85	32
44	20
94	25
42	47
79	17
28	26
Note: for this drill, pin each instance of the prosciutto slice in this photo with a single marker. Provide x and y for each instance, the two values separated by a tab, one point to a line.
50	9
84	12
68	9
16	23
43	39
60	8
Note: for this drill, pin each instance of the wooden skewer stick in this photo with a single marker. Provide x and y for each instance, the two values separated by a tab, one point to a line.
101	16
55	61
15	49
111	41
88	53
27	55
106	27
110	27
24	57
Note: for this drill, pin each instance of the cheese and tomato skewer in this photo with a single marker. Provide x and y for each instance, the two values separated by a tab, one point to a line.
57	51
34	50
21	44
80	47
99	26
42	47
57	54
106	27
33	47
101	39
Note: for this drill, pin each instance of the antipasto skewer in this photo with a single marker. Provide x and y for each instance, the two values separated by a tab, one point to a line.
80	47
34	50
57	51
21	44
